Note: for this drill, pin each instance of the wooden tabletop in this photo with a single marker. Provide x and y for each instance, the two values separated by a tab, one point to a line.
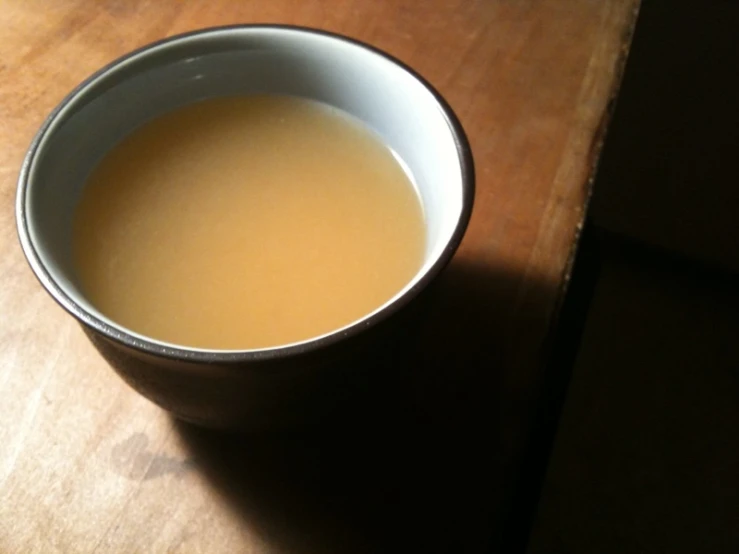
87	465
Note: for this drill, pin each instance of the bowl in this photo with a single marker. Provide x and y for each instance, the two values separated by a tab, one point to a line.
261	388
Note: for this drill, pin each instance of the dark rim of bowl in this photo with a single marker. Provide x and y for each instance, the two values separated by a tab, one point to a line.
239	356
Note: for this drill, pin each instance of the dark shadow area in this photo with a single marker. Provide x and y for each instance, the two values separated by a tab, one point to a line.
422	465
646	454
564	344
645	457
667	174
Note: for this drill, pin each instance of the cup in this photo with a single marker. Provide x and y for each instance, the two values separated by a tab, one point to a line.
250	389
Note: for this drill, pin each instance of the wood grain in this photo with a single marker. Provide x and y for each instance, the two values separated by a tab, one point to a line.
86	465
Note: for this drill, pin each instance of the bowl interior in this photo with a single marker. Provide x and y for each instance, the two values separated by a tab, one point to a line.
255	60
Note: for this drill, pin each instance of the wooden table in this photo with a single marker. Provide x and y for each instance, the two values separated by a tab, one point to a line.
87	465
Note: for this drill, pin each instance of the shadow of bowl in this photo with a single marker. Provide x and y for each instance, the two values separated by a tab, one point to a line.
419	466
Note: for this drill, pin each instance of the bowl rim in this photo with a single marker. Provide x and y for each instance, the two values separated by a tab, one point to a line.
199	355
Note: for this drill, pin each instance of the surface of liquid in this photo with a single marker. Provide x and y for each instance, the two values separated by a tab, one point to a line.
246	222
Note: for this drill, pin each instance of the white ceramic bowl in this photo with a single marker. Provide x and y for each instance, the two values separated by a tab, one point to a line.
389	97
